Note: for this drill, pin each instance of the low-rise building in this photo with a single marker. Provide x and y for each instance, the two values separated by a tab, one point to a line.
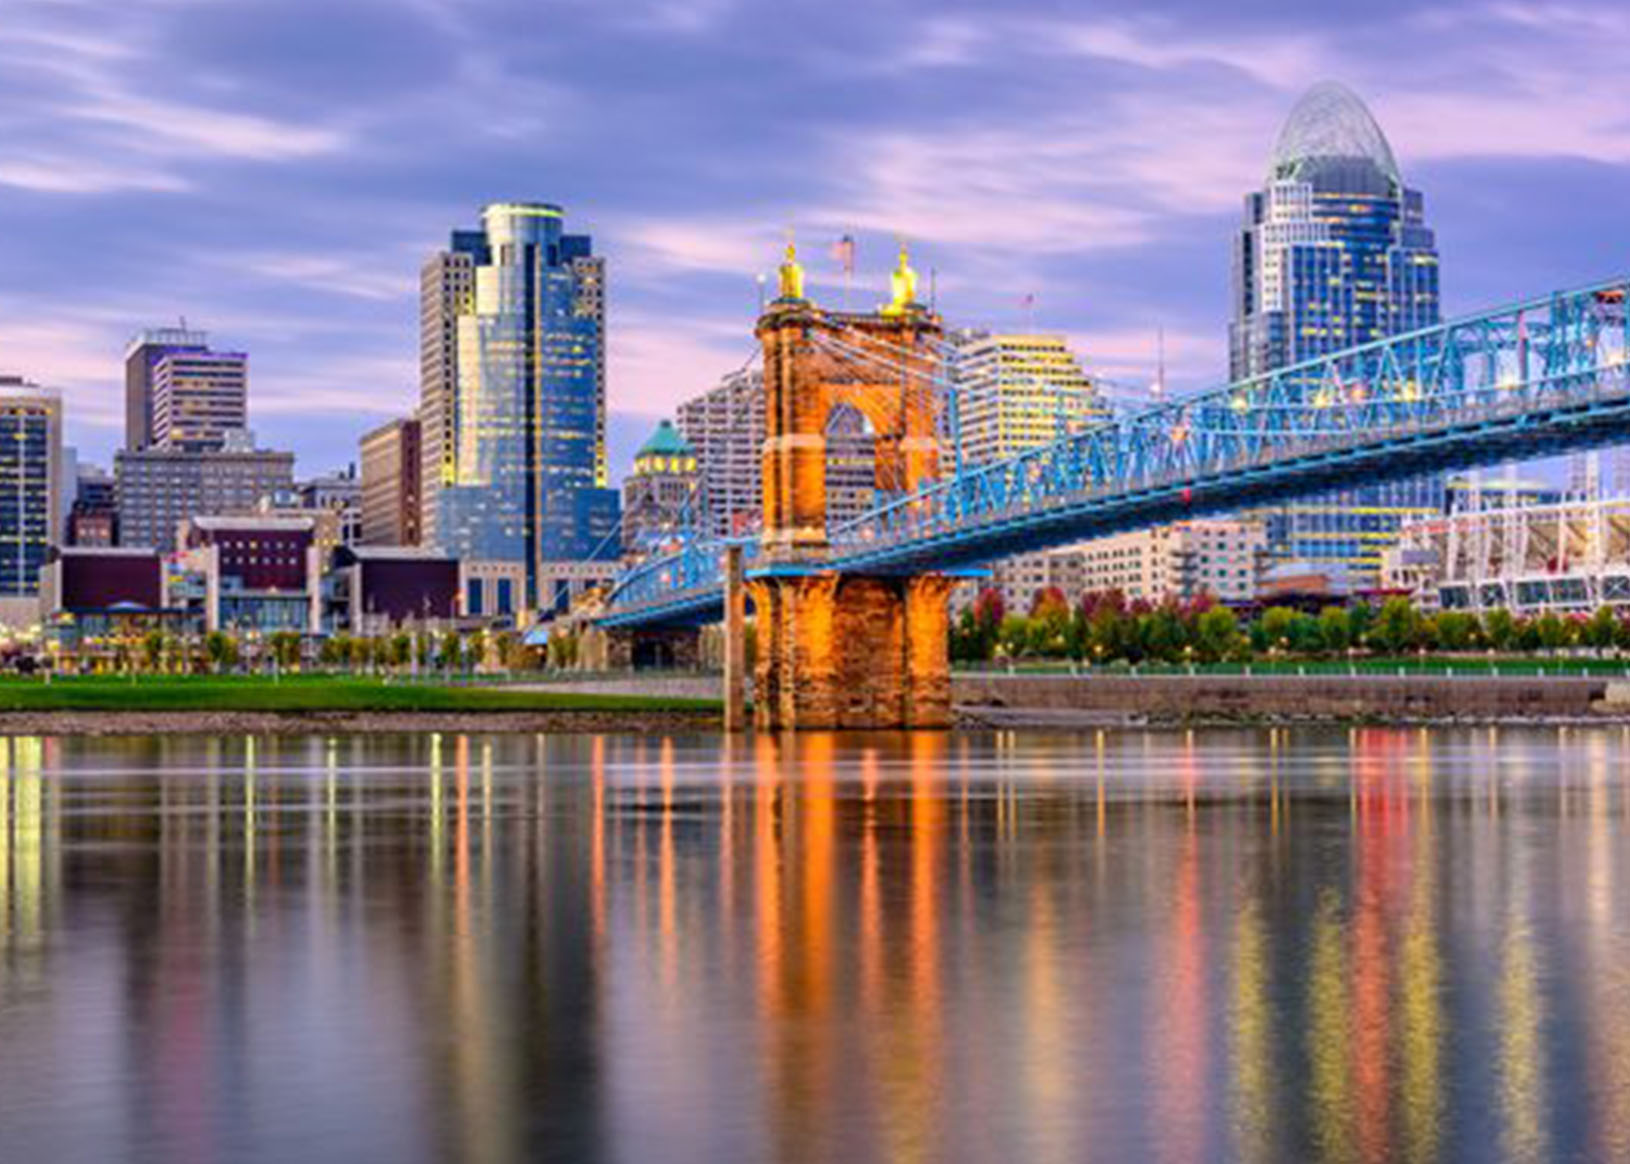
93	599
250	575
375	590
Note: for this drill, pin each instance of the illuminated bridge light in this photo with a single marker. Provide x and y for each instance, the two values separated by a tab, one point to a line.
1240	403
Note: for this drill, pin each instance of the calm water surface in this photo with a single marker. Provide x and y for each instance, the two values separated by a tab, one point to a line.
1364	945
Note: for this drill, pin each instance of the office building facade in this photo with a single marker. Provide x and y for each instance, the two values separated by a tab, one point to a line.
30	493
725	428
179	394
527	479
157	489
1334	252
1015	392
391	465
446	291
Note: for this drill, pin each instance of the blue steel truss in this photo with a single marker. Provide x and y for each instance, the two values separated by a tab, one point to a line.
1518	382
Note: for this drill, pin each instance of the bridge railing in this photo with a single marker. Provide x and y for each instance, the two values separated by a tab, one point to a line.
1567	350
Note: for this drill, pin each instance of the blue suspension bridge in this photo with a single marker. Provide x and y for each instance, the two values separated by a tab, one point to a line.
1518	382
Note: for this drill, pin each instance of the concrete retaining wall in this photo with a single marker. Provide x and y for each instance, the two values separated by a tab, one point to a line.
1179	697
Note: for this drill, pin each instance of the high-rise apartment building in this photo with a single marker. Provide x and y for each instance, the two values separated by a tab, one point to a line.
446	290
526	478
1015	392
725	428
30	493
1334	252
181	395
851	466
391	463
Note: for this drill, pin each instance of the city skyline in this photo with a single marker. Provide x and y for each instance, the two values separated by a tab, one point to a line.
1101	172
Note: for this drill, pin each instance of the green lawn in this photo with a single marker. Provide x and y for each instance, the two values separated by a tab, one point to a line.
305	693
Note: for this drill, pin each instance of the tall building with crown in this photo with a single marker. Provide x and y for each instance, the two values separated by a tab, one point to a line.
514	402
1334	252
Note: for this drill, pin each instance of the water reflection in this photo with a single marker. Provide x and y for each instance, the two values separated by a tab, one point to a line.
1361	945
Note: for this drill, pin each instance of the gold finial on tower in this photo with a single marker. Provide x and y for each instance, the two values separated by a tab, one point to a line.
792	274
903	283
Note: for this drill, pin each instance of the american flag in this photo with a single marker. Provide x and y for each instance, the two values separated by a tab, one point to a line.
844	252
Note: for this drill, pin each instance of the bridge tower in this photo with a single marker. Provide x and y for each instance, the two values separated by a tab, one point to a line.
838	649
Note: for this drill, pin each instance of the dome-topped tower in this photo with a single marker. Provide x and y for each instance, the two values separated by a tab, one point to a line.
1331	129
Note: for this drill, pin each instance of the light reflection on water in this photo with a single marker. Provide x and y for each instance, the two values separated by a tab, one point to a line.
1263	945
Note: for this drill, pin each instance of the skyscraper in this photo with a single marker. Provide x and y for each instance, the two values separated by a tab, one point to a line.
1015	392
526	481
725	425
1334	252
391	463
446	290
181	395
30	489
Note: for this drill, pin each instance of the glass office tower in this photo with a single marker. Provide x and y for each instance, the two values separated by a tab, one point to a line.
1334	252
527	480
30	491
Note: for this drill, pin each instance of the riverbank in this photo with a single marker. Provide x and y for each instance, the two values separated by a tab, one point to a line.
230	723
204	705
1093	700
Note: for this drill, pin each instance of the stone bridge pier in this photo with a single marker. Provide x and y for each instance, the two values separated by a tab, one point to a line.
836	649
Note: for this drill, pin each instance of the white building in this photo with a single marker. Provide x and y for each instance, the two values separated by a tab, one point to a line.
724	426
1217	557
1572	555
1015	392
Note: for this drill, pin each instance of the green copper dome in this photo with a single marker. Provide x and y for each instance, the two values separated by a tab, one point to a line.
665	442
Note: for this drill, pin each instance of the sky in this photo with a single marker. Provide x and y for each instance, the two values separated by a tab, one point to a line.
276	171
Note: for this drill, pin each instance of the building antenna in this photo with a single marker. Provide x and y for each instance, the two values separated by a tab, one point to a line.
1160	361
933	290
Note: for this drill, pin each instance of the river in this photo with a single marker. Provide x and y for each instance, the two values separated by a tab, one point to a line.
1257	944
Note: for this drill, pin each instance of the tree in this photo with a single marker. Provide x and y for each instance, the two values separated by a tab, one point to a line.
335	651
286	648
152	649
1602	631
1216	634
1276	624
1396	626
1163	634
401	650
1453	630
1500	628
1552	631
1335	629
475	651
222	650
1013	637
